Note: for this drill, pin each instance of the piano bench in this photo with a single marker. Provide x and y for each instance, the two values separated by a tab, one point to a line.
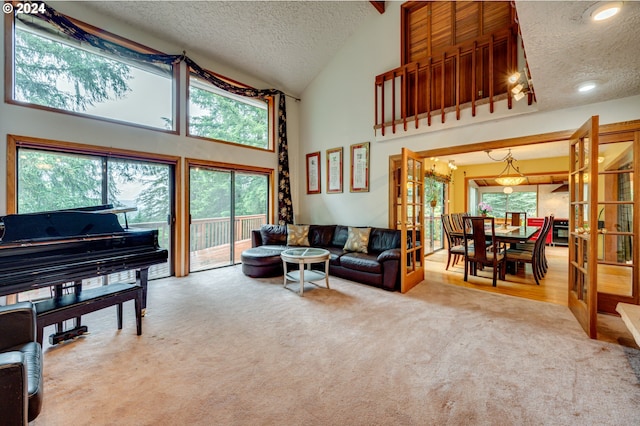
56	310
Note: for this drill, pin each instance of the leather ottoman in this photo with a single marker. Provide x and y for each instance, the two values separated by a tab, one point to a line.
262	262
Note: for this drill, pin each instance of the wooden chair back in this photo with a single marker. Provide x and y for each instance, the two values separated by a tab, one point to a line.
515	218
475	232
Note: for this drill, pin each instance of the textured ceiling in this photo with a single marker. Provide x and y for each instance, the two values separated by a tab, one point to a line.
564	48
285	43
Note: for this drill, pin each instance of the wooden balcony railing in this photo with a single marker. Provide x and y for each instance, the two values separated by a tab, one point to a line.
465	76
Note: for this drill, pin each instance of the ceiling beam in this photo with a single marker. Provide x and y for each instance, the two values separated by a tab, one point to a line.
379	5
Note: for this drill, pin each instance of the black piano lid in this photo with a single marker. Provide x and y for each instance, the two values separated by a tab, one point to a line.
64	224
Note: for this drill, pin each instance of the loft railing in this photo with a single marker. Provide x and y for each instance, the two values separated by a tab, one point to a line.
465	76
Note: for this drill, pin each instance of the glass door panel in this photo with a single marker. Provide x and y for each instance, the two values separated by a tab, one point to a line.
434	209
145	187
251	194
412	221
617	269
210	216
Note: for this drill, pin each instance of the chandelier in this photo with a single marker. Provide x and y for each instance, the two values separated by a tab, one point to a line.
510	175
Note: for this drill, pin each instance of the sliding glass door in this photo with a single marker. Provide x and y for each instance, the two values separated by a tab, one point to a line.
55	180
145	188
225	205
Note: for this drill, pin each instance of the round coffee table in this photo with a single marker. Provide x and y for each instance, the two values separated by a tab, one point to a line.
305	256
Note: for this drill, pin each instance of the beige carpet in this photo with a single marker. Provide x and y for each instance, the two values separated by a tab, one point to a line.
219	348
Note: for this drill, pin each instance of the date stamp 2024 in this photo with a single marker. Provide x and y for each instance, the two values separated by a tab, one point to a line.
28	8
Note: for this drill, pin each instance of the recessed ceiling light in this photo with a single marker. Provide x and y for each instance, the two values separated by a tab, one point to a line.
587	86
606	11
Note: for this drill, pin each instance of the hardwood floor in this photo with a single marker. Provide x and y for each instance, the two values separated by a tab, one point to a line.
552	288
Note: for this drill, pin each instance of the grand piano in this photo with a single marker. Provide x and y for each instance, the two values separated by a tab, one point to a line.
59	248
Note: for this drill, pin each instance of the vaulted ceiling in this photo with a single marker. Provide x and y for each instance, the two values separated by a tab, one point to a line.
287	43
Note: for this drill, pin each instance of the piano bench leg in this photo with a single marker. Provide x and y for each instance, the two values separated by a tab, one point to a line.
138	308
119	316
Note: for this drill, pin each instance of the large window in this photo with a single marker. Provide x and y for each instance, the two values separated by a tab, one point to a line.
519	201
216	114
54	71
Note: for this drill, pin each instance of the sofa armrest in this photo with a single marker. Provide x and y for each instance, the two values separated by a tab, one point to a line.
390	254
14	404
17	324
256	238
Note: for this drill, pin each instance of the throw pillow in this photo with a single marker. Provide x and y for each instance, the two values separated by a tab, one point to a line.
298	235
358	240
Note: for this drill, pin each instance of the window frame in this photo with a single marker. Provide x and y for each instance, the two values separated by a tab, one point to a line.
271	116
9	73
484	190
230	167
15	141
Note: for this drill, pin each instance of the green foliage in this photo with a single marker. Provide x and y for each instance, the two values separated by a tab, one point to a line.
210	193
153	201
56	75
228	119
62	76
251	194
517	202
51	181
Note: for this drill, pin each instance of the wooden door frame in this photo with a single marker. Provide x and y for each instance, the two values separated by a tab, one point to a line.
607	132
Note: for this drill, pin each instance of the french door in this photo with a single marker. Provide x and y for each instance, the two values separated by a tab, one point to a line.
225	205
617	229
411	220
583	213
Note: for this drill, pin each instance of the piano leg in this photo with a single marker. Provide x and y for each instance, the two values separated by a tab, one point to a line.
59	292
77	289
142	277
78	330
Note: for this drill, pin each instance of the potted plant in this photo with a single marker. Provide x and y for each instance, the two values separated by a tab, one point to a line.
431	191
484	208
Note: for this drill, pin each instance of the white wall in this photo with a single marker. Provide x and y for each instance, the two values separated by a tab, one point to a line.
23	121
337	109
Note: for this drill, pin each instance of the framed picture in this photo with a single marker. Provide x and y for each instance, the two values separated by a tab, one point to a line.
313	173
334	170
360	167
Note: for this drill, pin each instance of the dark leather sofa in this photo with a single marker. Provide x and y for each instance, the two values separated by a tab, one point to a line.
21	380
379	267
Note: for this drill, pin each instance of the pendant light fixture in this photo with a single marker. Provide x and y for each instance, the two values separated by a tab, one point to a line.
510	175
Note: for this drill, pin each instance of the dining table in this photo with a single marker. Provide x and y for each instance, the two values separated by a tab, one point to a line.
515	234
508	234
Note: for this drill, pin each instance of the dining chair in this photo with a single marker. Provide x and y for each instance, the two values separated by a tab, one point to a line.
534	256
456	221
515	218
486	249
455	246
542	264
